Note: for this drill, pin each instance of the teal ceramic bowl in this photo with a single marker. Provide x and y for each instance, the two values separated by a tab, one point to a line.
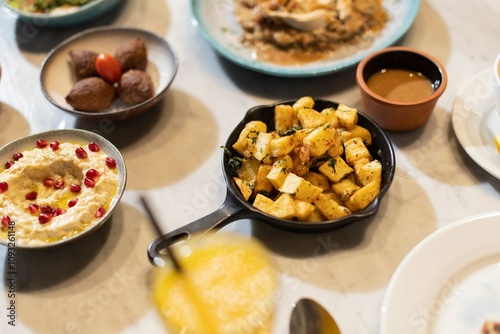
66	17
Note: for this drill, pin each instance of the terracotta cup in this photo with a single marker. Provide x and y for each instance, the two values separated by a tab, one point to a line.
400	116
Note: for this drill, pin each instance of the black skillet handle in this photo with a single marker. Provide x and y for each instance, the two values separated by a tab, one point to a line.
228	212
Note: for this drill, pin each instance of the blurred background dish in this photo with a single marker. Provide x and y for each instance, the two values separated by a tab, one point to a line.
57	76
63	169
228	284
217	24
61	17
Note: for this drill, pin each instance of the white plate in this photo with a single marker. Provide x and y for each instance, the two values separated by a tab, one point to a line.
218	26
476	122
449	283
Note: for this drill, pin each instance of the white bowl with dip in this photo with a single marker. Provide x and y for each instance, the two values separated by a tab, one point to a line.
400	86
45	197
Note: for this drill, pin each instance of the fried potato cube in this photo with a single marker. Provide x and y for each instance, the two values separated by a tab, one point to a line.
246	188
334	197
246	140
315	216
370	172
299	188
320	140
283	207
344	135
329	207
301	134
263	203
318	179
301	160
357	131
331	117
361	132
303	209
348	117
283	117
248	170
305	102
363	197
360	163
262	147
263	185
335	169
344	189
355	149
310	118
283	145
337	147
279	171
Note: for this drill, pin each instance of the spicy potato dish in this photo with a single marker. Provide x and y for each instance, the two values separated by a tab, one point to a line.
313	166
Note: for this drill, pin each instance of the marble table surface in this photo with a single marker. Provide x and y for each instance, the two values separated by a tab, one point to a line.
101	282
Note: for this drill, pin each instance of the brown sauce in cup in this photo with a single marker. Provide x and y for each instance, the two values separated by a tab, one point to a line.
400	85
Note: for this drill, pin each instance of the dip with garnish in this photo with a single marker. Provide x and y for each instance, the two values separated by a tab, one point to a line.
54	191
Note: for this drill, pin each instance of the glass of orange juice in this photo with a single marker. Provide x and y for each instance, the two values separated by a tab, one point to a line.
227	285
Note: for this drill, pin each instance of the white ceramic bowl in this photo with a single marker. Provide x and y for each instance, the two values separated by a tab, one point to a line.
78	136
74	16
57	77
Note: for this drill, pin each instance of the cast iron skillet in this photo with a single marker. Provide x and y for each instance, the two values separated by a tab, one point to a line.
235	207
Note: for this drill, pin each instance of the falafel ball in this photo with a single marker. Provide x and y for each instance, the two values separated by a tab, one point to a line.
132	55
83	62
135	87
91	94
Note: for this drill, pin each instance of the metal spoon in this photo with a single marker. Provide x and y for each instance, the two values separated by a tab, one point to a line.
309	317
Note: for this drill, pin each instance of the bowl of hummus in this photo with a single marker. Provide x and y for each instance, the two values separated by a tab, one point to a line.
57	186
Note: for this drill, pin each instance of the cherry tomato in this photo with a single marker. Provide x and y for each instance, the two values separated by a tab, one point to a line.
108	68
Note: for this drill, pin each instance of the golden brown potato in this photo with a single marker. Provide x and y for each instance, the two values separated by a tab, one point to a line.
135	87
132	55
83	62
91	94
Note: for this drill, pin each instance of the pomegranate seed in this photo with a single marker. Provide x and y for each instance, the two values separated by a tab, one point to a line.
110	162
9	164
48	182
94	147
75	188
40	143
44	218
17	156
100	212
5	221
92	174
46	209
89	182
54	145
80	153
59	183
73	202
58	212
31	196
4	186
33	208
